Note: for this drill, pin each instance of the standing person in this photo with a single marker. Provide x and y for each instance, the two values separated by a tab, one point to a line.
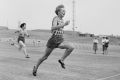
56	40
107	44
103	45
95	44
21	39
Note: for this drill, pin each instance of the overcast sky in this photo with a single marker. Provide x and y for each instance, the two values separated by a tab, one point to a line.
91	16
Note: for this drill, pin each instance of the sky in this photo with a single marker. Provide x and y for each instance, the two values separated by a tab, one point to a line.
91	16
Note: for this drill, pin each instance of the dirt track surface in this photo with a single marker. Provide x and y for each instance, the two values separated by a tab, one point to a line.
82	64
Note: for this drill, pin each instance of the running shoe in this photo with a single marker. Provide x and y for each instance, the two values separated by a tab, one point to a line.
62	64
34	71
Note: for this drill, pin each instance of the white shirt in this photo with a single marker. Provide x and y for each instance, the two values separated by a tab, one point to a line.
22	32
107	40
103	41
95	41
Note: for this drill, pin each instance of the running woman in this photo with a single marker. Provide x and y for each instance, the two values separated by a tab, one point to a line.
21	39
95	44
56	40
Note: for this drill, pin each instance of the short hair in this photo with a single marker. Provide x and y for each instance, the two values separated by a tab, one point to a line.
21	26
58	8
106	37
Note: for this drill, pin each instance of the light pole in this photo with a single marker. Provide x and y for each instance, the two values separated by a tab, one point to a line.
73	3
73	16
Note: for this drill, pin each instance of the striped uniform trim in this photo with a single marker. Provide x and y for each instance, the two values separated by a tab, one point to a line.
58	32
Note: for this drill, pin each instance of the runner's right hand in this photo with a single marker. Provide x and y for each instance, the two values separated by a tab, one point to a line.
67	22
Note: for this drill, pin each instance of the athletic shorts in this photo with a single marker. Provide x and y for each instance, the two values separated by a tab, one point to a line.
21	39
54	41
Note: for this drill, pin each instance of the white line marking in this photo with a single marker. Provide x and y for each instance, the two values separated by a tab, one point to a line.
108	77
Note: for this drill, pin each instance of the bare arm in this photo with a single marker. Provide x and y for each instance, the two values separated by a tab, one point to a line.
26	33
17	31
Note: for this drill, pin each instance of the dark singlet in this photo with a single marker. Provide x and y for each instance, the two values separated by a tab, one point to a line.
57	35
58	32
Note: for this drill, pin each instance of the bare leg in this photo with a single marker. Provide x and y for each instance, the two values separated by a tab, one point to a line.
17	46
107	51
44	57
20	47
95	51
68	51
24	49
25	52
103	49
66	54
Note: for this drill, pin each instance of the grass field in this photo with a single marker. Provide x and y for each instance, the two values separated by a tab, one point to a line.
82	64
